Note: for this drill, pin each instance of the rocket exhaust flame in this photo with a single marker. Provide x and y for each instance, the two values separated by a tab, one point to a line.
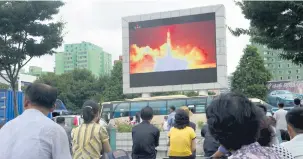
167	57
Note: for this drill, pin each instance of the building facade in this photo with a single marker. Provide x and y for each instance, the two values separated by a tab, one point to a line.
35	71
120	59
83	55
281	70
23	80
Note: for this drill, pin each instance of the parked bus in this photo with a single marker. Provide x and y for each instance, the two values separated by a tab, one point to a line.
160	105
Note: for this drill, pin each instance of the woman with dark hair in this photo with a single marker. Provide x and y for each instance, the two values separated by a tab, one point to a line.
90	138
271	122
234	121
138	118
181	137
267	138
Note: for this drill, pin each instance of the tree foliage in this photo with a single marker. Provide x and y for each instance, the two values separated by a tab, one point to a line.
74	87
251	76
77	86
278	25
26	31
113	89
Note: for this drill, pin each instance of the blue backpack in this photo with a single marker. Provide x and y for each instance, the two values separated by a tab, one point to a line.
117	154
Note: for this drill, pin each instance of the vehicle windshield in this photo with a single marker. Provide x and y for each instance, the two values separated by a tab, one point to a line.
69	121
283	92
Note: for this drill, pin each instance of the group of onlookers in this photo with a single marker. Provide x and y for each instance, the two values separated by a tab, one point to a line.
239	129
182	144
32	135
236	128
135	120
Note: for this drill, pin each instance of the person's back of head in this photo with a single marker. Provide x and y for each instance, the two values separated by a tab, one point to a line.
165	117
272	121
233	120
172	108
262	107
90	111
297	101
281	105
147	113
266	133
40	96
60	120
294	119
181	119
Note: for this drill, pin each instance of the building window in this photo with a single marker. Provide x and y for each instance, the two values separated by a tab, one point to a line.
289	72
280	72
298	71
265	58
288	77
288	65
265	52
279	65
298	77
281	78
272	59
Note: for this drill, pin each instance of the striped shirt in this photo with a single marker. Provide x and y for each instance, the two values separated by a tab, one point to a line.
87	141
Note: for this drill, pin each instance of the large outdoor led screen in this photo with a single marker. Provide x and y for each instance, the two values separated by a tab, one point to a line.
173	51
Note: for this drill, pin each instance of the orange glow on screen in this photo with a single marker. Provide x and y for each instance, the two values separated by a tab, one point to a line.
190	52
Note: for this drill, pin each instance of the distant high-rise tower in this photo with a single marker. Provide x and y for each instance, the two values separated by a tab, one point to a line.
281	70
83	55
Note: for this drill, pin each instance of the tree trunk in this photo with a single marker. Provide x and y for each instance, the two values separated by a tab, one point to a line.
16	112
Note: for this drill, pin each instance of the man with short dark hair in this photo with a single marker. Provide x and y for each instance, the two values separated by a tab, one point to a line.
171	117
61	121
294	120
32	135
280	117
297	102
145	137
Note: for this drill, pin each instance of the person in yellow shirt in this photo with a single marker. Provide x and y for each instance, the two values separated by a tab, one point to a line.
90	138
181	137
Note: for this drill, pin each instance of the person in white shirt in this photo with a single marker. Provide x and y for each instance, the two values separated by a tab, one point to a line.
32	135
294	120
280	117
165	124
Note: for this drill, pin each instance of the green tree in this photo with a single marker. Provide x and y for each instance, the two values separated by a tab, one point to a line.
191	93
74	87
113	89
26	31
4	86
278	25
211	93
251	76
165	93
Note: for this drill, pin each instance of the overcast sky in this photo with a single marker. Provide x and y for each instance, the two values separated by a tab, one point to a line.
99	22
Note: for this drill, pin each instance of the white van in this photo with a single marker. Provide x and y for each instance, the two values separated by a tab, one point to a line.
71	120
259	101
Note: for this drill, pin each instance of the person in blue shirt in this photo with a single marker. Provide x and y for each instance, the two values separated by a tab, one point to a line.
171	117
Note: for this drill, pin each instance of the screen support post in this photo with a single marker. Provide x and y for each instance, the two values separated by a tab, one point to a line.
203	93
145	95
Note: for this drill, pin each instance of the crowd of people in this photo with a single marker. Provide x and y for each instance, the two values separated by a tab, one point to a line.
236	129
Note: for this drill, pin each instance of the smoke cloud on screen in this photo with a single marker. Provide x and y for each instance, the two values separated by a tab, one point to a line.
173	47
